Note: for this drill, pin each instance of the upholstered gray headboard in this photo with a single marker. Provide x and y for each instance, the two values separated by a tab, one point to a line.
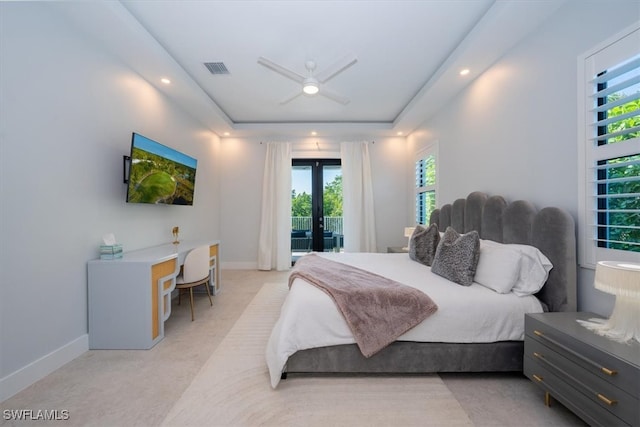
552	230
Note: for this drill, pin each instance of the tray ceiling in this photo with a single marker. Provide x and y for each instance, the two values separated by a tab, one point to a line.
409	54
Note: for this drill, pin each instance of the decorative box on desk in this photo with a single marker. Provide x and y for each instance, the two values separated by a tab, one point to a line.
595	377
111	251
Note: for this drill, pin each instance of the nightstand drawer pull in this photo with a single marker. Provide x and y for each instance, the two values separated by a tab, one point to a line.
577	383
602	369
538	355
606	400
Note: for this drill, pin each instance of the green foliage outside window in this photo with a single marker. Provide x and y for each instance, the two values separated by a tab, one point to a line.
332	200
623	224
300	204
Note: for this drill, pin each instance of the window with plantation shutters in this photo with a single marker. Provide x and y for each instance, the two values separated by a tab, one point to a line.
426	180
610	203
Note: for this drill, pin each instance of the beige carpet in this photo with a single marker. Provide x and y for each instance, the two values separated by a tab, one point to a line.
232	388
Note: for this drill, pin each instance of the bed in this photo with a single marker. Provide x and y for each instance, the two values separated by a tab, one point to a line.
310	335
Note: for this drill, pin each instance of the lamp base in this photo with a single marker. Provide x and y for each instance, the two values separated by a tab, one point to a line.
624	323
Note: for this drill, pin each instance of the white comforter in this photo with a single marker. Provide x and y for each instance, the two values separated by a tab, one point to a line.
309	317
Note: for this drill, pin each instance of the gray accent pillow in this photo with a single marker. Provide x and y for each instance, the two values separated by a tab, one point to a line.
423	244
457	256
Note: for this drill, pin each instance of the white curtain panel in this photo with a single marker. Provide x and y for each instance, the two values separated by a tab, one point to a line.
357	198
274	244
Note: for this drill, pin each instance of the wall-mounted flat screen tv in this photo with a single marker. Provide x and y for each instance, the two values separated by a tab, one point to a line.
159	174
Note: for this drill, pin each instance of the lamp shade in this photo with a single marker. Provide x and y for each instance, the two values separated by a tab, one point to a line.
618	278
621	279
408	231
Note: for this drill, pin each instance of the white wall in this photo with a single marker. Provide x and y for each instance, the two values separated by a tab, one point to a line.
514	130
242	168
67	110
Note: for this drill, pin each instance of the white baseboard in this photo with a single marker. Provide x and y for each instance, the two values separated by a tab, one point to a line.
38	369
247	265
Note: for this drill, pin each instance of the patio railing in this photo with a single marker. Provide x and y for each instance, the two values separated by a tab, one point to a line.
301	233
331	223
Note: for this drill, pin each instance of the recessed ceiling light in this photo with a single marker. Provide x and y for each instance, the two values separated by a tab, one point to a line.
226	134
314	133
400	133
165	80
464	72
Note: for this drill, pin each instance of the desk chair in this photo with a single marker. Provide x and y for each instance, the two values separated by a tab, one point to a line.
195	272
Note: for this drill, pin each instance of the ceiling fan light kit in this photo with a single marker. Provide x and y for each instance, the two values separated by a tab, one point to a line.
310	86
311	83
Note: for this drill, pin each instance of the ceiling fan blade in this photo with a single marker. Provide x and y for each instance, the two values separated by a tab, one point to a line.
291	98
336	68
281	70
334	96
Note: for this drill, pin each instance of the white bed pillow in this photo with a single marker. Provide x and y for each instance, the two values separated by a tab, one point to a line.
498	268
534	266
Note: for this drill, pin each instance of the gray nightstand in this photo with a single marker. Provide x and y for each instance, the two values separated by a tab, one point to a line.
595	377
397	250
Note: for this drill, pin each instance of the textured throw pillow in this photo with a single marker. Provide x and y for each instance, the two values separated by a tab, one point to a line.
457	256
423	244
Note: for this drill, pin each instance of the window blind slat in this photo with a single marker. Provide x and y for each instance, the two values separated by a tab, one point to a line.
614	134
616	118
617	165
624	211
620	242
628	227
621	101
616	180
618	71
609	89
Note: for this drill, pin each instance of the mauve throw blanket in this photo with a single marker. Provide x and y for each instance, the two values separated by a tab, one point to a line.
377	309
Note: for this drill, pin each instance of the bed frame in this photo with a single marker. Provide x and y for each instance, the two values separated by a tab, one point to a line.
552	230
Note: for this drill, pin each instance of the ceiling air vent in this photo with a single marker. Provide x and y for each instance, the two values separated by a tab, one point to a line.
216	67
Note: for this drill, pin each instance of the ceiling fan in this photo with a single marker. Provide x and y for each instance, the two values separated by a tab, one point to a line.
311	83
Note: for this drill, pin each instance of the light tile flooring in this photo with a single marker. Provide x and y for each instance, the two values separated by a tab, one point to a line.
138	387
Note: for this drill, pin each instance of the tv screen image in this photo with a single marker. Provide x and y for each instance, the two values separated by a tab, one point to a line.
159	174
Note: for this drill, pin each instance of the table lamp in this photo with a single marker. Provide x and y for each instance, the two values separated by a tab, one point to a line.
408	231
621	279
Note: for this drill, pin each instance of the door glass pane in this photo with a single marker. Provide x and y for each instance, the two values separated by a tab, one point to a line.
301	221
333	236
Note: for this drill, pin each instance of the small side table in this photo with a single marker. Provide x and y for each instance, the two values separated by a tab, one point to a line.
397	250
595	377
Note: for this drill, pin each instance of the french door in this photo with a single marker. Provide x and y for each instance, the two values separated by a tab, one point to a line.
316	206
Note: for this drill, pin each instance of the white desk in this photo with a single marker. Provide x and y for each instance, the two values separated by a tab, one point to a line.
130	297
